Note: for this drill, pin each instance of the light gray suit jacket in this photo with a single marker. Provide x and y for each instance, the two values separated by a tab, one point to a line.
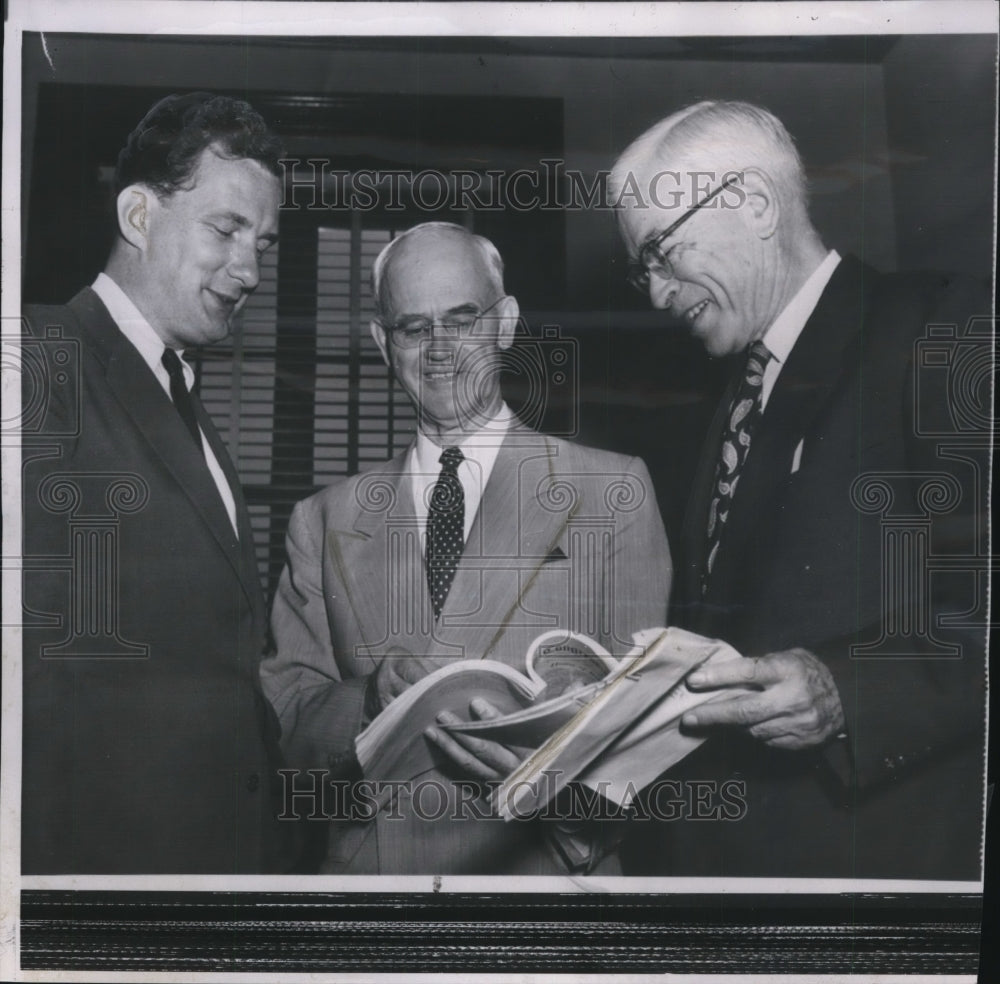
565	537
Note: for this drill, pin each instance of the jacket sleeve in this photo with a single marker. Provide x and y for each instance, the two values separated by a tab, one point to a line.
320	712
641	568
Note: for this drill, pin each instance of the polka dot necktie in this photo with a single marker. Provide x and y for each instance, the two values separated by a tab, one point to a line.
445	528
744	413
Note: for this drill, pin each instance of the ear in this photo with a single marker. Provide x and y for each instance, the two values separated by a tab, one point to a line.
509	313
133	205
379	335
762	201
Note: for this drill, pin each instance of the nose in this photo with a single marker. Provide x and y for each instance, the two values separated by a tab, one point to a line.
435	352
662	290
244	265
439	348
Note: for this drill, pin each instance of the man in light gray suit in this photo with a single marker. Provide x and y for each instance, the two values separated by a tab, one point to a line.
382	586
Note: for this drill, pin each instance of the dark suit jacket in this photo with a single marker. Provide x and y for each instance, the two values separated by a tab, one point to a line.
801	563
566	537
147	745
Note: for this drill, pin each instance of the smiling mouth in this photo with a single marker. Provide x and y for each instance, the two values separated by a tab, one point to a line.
225	301
692	313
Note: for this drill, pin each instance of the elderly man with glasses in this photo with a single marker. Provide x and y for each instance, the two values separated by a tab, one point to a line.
833	480
481	536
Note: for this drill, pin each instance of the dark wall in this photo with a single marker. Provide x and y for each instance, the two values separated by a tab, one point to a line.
80	128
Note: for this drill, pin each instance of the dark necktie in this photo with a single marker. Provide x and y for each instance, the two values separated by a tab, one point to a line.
180	395
744	413
445	528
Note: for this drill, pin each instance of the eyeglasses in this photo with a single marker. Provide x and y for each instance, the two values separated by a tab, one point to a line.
652	256
413	331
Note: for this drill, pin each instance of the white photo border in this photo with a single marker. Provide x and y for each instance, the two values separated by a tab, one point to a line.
263	20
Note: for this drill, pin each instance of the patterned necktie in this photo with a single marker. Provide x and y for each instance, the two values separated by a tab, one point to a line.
445	528
743	416
180	395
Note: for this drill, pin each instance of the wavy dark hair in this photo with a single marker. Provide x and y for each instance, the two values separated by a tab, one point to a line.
163	150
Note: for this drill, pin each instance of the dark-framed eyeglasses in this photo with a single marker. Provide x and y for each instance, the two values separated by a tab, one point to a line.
653	258
411	332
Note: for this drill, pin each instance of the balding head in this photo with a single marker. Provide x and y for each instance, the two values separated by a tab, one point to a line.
440	248
442	320
715	138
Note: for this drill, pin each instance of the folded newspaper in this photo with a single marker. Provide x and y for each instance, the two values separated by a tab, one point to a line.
611	724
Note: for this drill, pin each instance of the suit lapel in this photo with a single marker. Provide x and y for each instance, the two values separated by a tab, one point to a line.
510	539
376	550
814	367
142	398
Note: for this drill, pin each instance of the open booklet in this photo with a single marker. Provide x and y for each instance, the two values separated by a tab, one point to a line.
612	724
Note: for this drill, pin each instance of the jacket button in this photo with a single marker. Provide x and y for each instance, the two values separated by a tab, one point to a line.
253	782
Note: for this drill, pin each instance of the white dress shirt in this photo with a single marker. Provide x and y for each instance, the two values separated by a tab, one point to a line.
150	346
781	337
480	454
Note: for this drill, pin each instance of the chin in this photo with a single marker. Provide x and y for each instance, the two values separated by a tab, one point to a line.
720	344
216	333
713	346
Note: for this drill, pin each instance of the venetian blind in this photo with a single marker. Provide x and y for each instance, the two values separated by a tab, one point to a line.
359	416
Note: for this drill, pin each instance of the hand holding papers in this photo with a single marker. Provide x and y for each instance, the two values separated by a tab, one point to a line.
611	724
796	703
629	732
563	667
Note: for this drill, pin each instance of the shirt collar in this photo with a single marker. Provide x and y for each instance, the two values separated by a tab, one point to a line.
480	446
781	337
135	327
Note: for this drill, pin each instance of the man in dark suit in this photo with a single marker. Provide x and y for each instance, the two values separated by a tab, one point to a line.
835	532
549	535
147	745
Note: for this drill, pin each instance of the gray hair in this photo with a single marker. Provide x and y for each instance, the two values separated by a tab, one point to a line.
726	136
491	256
